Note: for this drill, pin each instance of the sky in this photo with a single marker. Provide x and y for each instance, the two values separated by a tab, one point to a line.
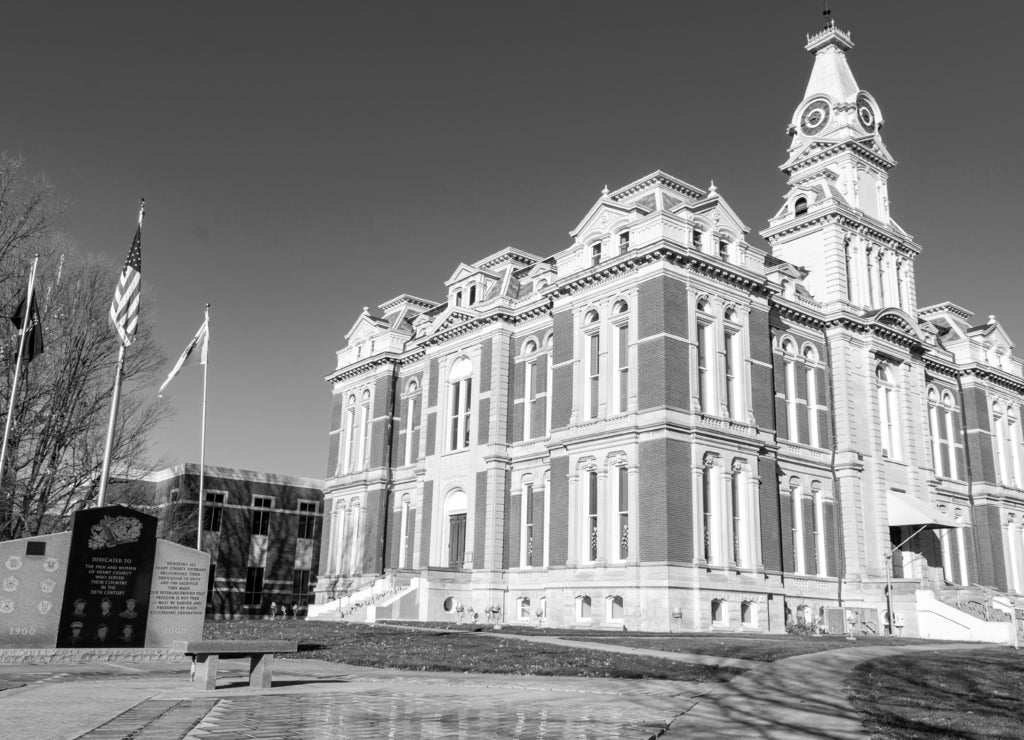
302	160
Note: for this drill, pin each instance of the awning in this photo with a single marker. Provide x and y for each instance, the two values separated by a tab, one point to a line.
908	511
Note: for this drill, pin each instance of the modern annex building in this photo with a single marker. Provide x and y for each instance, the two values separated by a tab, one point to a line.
664	426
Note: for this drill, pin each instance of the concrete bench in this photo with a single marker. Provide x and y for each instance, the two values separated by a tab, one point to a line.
206	653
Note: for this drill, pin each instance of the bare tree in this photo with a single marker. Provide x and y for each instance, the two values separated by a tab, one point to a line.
63	405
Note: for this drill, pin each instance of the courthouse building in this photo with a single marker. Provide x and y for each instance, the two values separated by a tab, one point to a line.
667	426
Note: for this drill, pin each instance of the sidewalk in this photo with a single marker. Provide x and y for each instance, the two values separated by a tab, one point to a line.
800	697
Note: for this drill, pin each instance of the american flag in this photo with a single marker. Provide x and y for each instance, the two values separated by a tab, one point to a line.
124	309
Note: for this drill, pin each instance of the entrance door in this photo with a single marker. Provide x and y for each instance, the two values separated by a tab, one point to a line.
456	540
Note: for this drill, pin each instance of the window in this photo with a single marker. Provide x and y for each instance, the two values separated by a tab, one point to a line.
719	612
213	512
723	249
403	542
595	253
811	360
524	608
458	298
364	433
526	551
620	329
821	552
789	368
592	516
708	495
736	502
529	390
888	406
940	423
623	512
748	614
797	501
623	242
455	510
300	588
460	389
800	206
615	611
472	294
704	355
582	608
592	364
261	514
211	583
412	421
698	237
350	434
548	344
307	519
253	586
734	396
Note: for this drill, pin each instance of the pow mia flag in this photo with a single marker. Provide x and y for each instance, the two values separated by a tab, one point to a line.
34	338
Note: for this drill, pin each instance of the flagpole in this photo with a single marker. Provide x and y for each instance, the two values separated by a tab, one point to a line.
202	438
26	325
114	403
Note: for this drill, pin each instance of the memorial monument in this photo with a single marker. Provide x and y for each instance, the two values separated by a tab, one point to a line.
108	583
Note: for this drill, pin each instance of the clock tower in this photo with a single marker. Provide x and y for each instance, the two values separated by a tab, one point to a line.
835	219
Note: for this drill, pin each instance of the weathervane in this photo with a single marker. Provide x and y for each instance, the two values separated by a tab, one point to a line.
827	12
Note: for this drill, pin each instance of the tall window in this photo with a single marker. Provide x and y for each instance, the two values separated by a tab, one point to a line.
940	423
460	390
364	431
723	249
261	514
300	587
698	237
472	294
888	406
1013	439
620	332
592	364
1006	432
350	434
592	518
595	253
733	367
704	355
789	367
307	519
811	361
526	555
624	242
548	344
529	389
797	500
213	511
709	489
623	512
411	422
253	586
821	553
738	515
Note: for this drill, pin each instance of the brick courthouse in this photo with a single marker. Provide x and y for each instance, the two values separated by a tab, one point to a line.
665	426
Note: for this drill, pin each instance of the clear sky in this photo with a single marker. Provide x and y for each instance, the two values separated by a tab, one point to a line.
303	160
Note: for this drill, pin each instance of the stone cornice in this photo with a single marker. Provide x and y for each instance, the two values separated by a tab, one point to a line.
836	148
845	218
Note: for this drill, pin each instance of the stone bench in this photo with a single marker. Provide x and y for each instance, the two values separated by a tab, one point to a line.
206	653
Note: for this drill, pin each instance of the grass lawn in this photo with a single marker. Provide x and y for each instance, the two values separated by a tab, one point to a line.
746	646
970	694
456	650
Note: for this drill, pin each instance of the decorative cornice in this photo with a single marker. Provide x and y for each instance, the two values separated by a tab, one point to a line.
849	219
832	149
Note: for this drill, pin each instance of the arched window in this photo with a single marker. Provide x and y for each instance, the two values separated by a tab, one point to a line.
789	370
622	510
623	241
723	248
889	410
528	517
549	343
615	610
800	206
364	434
351	432
620	361
583	608
591	364
796	493
593	517
818	512
412	421
940	423
524	608
458	298
810	370
595	253
698	236
472	294
460	405
705	356
733	351
529	388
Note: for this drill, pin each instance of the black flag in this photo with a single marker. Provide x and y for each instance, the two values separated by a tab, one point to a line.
34	340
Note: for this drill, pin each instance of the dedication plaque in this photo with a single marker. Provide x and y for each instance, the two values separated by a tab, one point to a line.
110	569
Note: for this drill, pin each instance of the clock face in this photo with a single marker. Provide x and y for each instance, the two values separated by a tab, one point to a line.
866	113
814	118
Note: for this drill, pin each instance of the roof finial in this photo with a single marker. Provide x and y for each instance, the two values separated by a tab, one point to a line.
712	190
827	12
604	191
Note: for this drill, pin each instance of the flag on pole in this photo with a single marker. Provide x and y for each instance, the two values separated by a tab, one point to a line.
190	356
34	338
124	309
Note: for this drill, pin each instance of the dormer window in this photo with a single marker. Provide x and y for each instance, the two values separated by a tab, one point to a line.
800	206
458	298
595	253
623	242
472	294
698	237
723	249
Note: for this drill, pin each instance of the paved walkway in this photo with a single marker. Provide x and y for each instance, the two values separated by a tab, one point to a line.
799	697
